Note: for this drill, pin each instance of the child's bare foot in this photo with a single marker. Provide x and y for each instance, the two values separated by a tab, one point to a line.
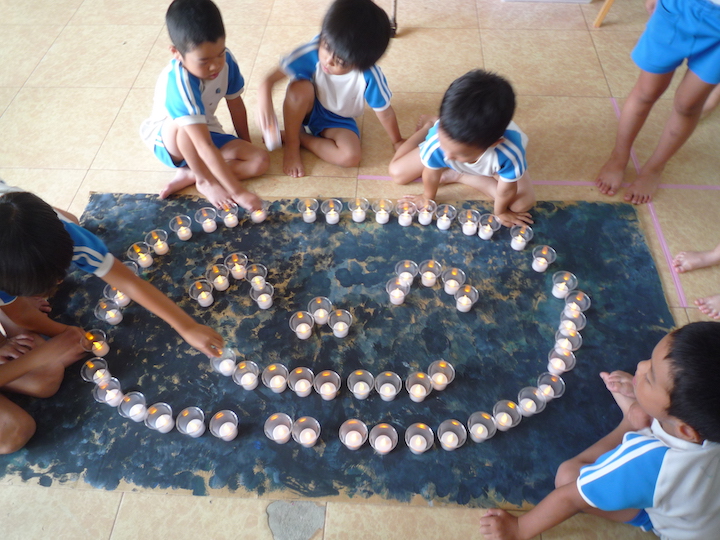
619	382
686	261
622	389
425	120
710	306
292	162
643	188
611	176
184	177
214	193
450	176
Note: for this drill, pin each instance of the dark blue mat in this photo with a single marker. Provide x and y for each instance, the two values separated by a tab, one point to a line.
497	348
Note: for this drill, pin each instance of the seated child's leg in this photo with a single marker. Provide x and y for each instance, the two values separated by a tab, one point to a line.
711	102
405	165
184	177
525	199
710	306
687	108
245	159
685	261
338	146
647	90
16	426
298	104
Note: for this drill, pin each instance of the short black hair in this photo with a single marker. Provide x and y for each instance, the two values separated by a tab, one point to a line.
477	108
192	22
695	359
357	32
35	249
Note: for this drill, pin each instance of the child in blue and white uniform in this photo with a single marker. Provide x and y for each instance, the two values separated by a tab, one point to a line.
332	77
474	142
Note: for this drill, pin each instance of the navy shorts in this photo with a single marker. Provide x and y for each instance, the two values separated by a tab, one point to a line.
218	139
321	119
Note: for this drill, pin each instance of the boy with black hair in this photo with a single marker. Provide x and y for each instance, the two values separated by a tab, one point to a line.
37	245
183	131
331	79
665	477
474	142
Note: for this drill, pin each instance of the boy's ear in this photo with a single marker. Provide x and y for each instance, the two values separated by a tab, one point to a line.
688	432
175	53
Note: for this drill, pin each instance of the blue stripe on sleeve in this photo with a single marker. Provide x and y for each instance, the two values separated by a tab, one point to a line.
511	156
431	155
89	252
184	97
236	82
377	91
301	63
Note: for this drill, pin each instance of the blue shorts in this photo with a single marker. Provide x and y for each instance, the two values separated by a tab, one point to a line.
680	29
321	119
218	139
642	520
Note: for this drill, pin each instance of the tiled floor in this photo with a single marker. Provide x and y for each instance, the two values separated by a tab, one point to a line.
76	80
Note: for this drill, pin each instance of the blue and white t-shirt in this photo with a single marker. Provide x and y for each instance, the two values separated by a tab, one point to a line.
675	481
188	99
506	159
344	95
89	252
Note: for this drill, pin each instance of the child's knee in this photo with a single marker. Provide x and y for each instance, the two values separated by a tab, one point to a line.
16	431
261	162
396	171
300	93
567	472
350	158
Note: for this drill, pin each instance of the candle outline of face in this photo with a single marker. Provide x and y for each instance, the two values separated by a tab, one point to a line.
382	216
303	387
358	215
428	278
303	331
546	391
159	244
528	406
309	216
418	443
417	393
281	434
440	381
383	444
397	297
194	427
137	412
113	316
361	389
264	301
164	423
443	223
340	329
227	431
388	391
353	439
464	304
328	390
101	375
449	440
100	347
308	437
321	316
258	216
479	432
249	380
405	219
208	223
226	367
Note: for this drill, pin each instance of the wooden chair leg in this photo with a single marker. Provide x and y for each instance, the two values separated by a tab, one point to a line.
603	12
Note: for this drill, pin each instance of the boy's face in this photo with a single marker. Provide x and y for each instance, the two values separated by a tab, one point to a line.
330	63
653	383
204	61
457	151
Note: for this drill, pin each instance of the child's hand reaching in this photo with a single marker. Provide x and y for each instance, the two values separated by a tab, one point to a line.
204	339
268	123
14	347
497	524
619	382
510	218
622	388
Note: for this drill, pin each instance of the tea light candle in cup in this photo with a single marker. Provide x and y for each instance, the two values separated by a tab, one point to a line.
278	427
521	235
306	431
481	426
206	218
360	382
383	438
195	428
406	271
388	384
469	220
133	406
275	377
191	421
327	384
567	340
426	211
397	289
358	208
223	425
419	386
237	264
226	367
340	321
441	374
452	435
543	256
159	418
331	208
181	226
201	291
563	283
382	209
96	342
320	308
263	297
246	374
139	252
228	213
109	392
308	437
256	274
465	298
572	320
301	322
453	279
429	272
445	214
157	239
114	295
308	208
550	386
108	311
405	212
576	301
560	361
506	414
225	363
300	381
487	226
261	214
95	371
530	401
218	274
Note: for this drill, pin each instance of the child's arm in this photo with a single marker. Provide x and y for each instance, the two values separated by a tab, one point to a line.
389	123
562	503
266	113
238	113
201	337
504	196
25	313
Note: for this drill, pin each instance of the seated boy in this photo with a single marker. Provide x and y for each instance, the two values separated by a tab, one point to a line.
331	79
37	246
474	142
664	478
183	131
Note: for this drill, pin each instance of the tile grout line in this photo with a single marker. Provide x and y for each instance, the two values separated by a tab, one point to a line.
656	224
112	529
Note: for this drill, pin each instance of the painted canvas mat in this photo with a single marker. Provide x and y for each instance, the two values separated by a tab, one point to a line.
497	348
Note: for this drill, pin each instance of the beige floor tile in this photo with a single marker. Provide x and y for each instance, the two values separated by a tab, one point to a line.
245	12
157	58
585	527
548	190
695	315
185	517
95	57
614	50
272	186
298	12
410	65
495	14
22	47
357	522
59	128
6	96
680	315
429	14
101	12
64	514
38	13
122	148
624	15
545	62
55	186
570	138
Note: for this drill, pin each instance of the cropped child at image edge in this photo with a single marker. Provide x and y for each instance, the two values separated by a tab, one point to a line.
37	246
474	142
664	478
331	79
183	131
